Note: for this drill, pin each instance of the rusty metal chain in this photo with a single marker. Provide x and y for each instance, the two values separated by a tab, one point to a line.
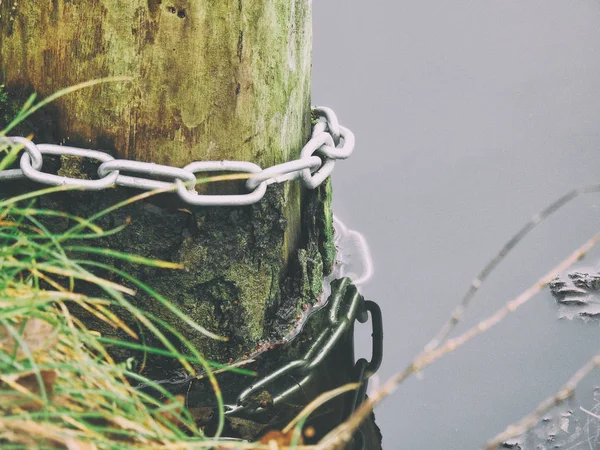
329	142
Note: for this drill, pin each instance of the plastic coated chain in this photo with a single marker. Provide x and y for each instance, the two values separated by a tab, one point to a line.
329	142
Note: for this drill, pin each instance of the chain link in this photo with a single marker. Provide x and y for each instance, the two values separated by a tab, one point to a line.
30	148
193	198
56	180
314	145
145	168
329	142
344	307
331	120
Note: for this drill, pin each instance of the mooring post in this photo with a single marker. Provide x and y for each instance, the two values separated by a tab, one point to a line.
209	82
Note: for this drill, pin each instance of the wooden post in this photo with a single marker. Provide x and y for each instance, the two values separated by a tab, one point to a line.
211	81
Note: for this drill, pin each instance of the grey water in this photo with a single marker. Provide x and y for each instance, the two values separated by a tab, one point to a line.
469	117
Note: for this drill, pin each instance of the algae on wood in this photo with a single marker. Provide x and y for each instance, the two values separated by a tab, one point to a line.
211	81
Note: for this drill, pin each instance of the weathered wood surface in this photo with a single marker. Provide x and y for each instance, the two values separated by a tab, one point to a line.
211	81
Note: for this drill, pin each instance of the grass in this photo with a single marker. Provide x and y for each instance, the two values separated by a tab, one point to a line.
59	385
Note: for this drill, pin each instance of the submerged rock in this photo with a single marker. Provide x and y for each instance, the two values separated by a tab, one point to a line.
512	444
578	293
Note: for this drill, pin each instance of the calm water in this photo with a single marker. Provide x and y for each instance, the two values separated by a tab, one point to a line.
469	117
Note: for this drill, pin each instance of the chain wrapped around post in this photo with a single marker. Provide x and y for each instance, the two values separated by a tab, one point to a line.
294	381
316	360
344	307
329	142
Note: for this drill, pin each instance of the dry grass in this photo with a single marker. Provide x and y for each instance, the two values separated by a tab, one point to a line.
60	388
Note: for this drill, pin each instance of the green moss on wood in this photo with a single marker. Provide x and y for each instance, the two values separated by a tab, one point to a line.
234	282
211	81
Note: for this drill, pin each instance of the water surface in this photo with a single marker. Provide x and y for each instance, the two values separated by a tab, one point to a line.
469	117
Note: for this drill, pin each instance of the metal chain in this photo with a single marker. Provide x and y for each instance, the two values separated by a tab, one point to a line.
364	369
329	142
344	307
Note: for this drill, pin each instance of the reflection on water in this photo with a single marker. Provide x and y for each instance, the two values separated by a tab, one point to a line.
353	254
